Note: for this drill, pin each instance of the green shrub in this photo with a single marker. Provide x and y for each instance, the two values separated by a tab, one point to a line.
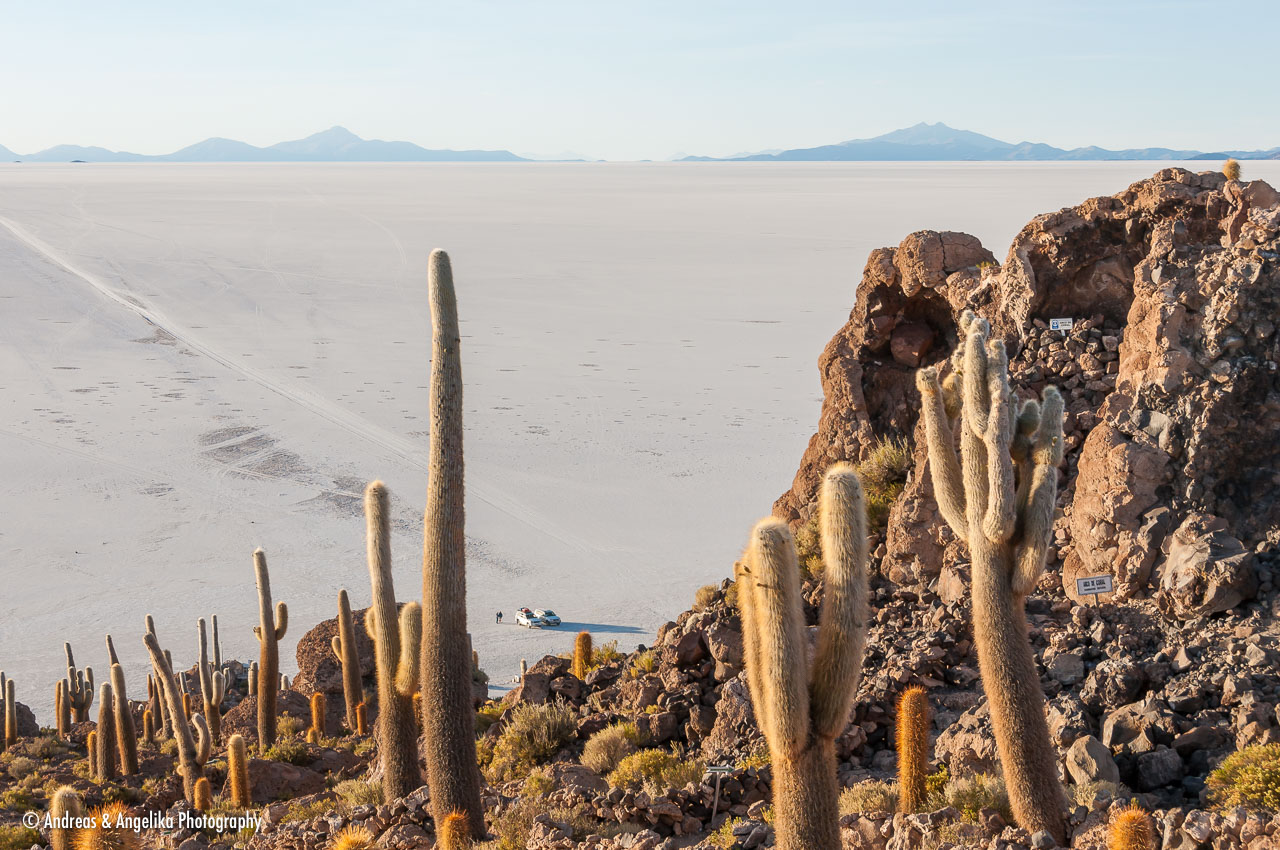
757	758
290	750
606	653
884	474
655	771
705	596
608	747
972	794
1249	778
643	663
533	735
513	824
359	792
487	715
288	726
731	595
18	837
1231	169
873	795
21	767
724	837
538	783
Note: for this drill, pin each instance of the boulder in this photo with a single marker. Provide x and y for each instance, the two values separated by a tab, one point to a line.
278	780
1089	760
1206	571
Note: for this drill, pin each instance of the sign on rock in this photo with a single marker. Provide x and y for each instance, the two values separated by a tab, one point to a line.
1061	324
1093	585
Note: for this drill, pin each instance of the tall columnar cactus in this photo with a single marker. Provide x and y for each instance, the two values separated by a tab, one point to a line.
269	631
213	687
204	795
395	648
79	688
108	746
188	767
217	644
65	804
148	727
91	752
158	717
1131	829
912	730
61	708
253	679
801	707
582	655
112	658
448	716
126	732
344	649
319	708
10	715
238	772
1007	525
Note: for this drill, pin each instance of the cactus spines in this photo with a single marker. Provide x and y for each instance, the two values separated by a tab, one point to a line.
204	795
362	719
126	732
65	804
270	629
188	768
802	710
318	708
10	715
1006	525
105	833
108	752
79	688
344	648
1131	829
912	731
448	719
455	832
238	772
582	654
395	650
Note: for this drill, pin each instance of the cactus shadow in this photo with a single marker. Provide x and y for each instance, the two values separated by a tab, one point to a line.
600	627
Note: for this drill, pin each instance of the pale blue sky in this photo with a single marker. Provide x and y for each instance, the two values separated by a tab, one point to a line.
634	80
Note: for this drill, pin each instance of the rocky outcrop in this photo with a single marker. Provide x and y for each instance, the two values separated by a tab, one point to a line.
1169	371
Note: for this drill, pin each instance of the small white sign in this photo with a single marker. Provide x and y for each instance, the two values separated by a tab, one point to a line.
1061	324
720	768
1094	585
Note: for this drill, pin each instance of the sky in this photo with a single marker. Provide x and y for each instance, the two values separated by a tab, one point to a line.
635	80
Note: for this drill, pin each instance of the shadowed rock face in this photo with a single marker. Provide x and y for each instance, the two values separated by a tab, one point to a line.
1169	374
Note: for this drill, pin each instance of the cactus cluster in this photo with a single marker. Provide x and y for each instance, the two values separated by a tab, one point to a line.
395	647
802	706
1006	520
270	629
213	683
190	766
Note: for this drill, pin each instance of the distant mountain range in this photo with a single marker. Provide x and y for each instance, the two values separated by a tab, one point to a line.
940	143
336	144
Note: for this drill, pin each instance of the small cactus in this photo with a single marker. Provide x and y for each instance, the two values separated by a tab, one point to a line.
344	649
238	772
582	655
91	752
318	709
912	730
66	803
1231	169
108	745
454	832
313	737
204	795
1131	829
362	719
353	837
270	629
104	835
148	727
126	732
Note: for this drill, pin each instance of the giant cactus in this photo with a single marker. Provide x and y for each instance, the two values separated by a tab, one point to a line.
10	715
238	772
395	646
79	688
126	732
108	758
344	648
448	719
911	728
213	687
188	767
1006	524
269	631
801	707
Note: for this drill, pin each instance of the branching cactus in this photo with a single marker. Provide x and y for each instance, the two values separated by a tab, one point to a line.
269	631
108	758
79	688
1006	519
448	720
188	768
395	647
912	731
344	648
238	772
801	707
213	687
126	732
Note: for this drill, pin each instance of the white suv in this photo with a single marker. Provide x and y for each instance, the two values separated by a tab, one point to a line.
526	618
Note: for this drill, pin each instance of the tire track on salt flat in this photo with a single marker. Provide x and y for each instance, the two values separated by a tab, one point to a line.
406	450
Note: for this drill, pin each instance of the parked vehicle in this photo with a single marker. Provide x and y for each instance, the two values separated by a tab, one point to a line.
547	616
525	617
